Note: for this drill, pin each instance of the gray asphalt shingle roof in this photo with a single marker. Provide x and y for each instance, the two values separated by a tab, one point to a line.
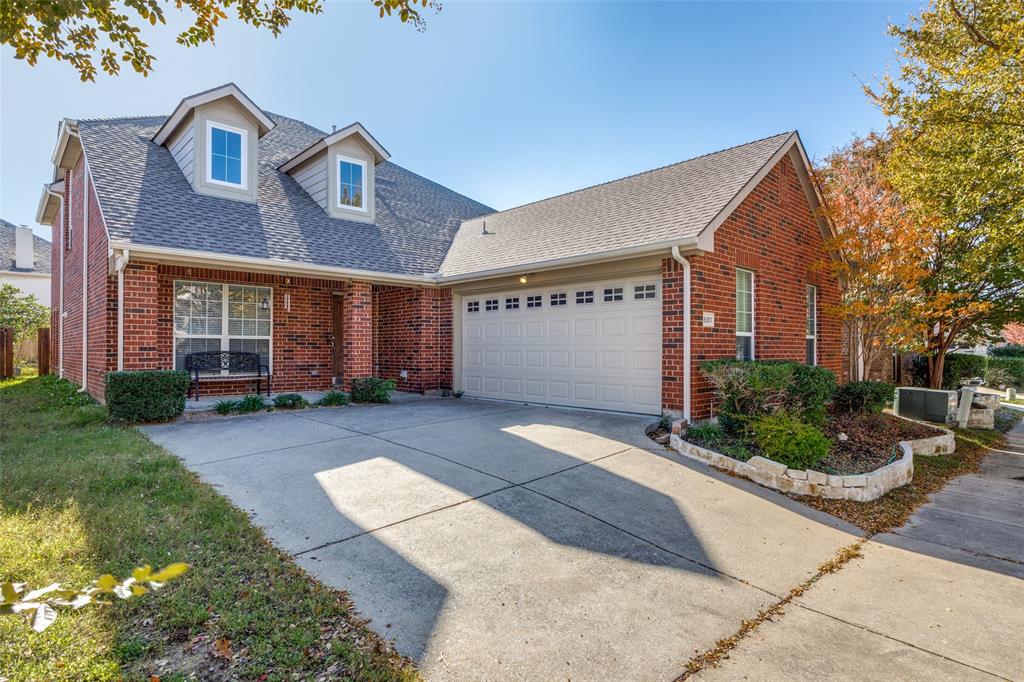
146	200
40	250
670	203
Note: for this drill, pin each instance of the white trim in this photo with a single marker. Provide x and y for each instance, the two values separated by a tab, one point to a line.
266	124
808	300
225	336
338	158
210	125
222	260
380	154
753	312
60	310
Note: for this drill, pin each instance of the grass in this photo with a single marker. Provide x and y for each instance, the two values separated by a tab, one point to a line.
930	475
79	498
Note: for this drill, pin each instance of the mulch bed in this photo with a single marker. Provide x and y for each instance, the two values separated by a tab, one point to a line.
872	441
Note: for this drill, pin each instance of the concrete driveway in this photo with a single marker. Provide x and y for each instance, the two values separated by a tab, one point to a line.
498	541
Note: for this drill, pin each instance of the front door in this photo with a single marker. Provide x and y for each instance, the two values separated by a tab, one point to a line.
336	341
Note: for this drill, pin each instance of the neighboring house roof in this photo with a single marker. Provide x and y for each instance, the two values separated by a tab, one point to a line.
667	204
40	251
146	200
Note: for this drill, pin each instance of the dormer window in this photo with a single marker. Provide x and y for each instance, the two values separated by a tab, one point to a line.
227	151
351	183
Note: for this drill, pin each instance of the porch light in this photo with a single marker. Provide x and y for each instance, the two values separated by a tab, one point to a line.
265	304
522	279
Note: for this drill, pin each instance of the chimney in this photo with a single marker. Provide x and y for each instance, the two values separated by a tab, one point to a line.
23	247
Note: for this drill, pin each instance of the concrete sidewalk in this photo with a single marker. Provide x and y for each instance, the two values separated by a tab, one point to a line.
940	598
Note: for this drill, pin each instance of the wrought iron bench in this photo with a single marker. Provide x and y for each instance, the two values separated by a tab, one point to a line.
210	365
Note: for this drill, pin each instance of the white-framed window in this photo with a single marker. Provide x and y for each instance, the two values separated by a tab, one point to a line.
216	317
491	304
534	301
512	303
643	292
744	314
613	294
558	299
351	182
227	151
473	306
812	324
584	297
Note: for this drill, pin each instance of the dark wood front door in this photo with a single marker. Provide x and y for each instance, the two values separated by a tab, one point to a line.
336	332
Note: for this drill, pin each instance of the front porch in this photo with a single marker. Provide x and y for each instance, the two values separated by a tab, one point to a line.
313	334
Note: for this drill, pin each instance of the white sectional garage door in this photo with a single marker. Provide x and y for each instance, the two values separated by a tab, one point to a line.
595	344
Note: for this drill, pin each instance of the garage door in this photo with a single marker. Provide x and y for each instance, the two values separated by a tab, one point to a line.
594	344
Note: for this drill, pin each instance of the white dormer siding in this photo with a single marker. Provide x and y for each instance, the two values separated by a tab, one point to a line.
183	148
313	178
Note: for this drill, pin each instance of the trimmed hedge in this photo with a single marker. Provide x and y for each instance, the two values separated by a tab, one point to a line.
146	396
1013	366
1010	350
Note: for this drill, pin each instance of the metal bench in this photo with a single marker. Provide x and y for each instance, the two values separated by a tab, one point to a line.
210	366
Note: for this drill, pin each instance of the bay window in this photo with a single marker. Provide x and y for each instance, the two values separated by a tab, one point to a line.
216	317
744	315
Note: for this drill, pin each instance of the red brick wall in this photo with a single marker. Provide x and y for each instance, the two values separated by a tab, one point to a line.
357	332
413	332
98	284
773	233
301	346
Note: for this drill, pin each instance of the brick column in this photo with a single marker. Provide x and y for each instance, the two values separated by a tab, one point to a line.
140	317
357	332
671	335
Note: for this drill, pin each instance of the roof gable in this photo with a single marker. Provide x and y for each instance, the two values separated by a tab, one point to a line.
320	146
652	210
188	104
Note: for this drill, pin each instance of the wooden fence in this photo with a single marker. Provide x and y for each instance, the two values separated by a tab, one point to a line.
6	352
43	350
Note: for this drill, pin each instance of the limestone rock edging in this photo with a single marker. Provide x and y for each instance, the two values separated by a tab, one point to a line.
859	487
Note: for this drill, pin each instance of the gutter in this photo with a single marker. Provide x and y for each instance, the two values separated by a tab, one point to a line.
686	330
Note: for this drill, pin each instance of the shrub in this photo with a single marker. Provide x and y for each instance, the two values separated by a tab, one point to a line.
333	398
747	390
251	403
784	438
956	368
290	401
1010	350
152	395
863	397
225	406
998	377
1013	366
709	433
372	390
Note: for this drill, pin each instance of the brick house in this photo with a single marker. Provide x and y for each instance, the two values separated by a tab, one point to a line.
223	227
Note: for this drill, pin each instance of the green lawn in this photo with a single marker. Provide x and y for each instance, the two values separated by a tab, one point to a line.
79	498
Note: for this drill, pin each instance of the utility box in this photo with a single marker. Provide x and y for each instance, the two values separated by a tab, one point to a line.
927	404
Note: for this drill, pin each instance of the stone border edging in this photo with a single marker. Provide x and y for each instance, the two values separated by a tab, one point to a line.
858	487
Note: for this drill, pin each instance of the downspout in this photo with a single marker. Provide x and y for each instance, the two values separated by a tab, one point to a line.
121	263
686	331
60	309
85	275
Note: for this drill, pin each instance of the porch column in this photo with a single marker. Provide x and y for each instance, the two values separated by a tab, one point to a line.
357	332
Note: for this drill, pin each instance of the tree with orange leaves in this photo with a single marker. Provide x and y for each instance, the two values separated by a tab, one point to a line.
882	254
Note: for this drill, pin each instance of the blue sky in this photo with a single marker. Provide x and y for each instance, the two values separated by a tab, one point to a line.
506	102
